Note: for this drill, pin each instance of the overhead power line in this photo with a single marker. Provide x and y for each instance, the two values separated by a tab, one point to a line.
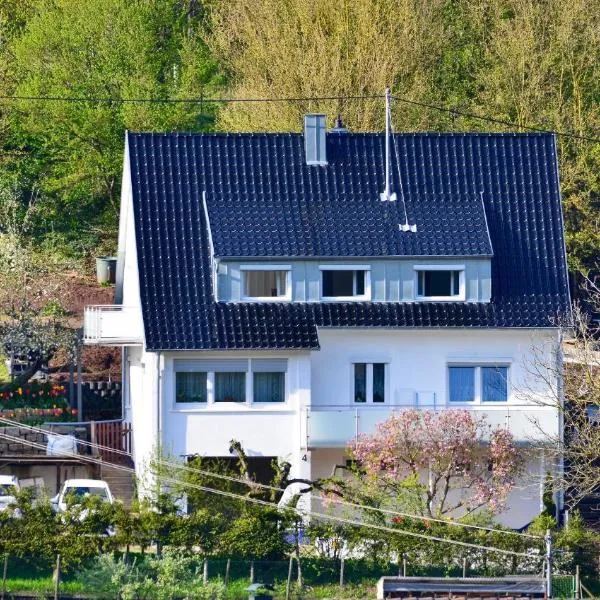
200	100
212	100
273	505
469	115
249	483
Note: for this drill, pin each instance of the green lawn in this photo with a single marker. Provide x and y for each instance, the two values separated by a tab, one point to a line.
4	378
41	585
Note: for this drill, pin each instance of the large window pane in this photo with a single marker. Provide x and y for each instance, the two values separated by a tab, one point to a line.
462	384
338	283
269	387
230	387
360	382
493	384
443	284
265	284
190	387
378	382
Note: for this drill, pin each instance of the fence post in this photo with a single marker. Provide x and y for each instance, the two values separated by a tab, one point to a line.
342	572
205	573
227	569
289	579
251	571
4	576
464	567
93	438
404	566
57	580
299	571
577	583
548	540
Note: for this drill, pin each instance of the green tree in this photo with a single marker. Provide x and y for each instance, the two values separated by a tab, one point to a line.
103	49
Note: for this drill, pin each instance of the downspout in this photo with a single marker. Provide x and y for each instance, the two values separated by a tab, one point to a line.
158	401
560	365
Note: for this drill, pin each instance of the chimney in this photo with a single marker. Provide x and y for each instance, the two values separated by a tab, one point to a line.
338	126
314	139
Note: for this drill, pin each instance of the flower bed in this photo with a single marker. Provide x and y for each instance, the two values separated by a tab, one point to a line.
36	403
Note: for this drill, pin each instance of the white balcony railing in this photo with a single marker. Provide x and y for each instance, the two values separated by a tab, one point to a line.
336	426
112	324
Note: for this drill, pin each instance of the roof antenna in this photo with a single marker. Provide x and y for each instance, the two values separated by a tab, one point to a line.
385	196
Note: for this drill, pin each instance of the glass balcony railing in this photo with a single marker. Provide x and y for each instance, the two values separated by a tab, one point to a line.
336	426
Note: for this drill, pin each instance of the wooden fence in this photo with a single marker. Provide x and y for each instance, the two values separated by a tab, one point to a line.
115	435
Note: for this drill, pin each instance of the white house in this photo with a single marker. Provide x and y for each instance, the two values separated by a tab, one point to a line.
269	292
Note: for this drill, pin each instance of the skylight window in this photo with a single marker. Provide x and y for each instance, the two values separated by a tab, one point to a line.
266	283
438	282
345	282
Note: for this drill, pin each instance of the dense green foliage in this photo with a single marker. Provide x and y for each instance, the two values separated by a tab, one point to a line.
526	61
71	152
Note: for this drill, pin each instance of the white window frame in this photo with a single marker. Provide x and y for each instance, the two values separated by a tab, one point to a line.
369	383
260	267
461	283
210	390
478	400
363	298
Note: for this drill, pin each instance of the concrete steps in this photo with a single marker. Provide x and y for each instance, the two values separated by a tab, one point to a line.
121	483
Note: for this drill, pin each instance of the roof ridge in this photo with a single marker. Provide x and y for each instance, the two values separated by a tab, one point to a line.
431	134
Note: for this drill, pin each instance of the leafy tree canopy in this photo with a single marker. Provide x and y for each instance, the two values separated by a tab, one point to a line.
106	49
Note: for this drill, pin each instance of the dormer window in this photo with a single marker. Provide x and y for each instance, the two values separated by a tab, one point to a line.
266	283
345	282
440	282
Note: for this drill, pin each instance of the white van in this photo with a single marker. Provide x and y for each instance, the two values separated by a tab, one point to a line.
9	488
82	488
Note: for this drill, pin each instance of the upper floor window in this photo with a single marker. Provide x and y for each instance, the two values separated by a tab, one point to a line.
266	282
483	383
345	282
369	382
440	282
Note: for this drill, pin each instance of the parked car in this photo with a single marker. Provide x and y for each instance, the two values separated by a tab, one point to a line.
81	488
9	488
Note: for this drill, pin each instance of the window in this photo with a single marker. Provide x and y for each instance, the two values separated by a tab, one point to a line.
223	381
230	387
266	282
474	383
493	384
269	387
344	282
462	384
440	282
369	382
190	387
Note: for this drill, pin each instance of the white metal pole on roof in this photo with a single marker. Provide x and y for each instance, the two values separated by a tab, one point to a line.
385	195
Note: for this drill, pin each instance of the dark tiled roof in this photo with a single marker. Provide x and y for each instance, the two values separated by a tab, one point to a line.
258	184
263	200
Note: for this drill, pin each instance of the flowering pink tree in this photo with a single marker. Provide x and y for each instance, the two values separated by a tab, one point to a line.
445	463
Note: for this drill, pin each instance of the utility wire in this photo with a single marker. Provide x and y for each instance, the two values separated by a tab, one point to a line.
298	512
460	113
202	101
212	474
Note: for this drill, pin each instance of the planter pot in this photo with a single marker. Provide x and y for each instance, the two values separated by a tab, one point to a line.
106	269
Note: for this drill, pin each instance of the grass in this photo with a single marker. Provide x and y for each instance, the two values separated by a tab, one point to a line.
41	585
4	376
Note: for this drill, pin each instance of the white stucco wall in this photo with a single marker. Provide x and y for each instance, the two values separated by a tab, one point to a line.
263	430
321	381
417	374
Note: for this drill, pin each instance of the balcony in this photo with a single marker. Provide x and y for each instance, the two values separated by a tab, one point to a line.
336	426
112	325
